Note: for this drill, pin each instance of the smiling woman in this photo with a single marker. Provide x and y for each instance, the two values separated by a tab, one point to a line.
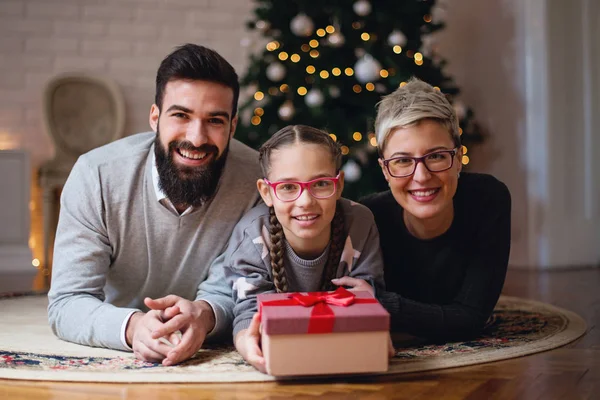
445	236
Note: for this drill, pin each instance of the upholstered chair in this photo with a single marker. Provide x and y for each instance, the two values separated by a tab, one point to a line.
81	112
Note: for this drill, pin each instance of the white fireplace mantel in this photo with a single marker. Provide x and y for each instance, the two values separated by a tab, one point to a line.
16	270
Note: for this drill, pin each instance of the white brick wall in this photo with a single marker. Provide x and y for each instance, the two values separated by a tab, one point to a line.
123	39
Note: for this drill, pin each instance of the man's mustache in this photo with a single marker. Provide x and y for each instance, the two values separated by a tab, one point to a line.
205	148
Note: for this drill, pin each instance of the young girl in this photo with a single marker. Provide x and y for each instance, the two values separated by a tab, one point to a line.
303	237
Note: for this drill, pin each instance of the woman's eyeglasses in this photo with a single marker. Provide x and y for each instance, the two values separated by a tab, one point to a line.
436	161
320	188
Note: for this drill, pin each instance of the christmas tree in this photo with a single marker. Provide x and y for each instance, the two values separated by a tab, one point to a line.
328	63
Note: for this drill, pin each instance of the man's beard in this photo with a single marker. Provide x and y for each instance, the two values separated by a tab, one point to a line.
188	186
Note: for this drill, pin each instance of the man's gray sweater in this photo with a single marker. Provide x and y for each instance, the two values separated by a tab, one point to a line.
116	244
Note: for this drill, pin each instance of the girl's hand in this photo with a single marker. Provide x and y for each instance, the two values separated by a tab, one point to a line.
353	284
247	343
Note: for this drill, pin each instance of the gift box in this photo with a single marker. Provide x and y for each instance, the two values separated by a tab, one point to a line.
317	333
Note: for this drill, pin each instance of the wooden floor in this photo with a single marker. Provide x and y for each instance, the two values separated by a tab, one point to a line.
570	372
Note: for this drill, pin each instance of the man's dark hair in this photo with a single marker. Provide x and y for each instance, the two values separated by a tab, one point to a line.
191	61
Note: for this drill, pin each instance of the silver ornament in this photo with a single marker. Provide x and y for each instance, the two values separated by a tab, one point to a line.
352	171
314	98
397	38
367	69
334	91
460	109
336	39
261	25
301	25
286	111
362	8
275	72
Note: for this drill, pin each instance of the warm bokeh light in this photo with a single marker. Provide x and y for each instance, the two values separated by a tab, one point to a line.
419	62
313	43
330	29
259	111
310	69
305	48
35	262
465	160
258	96
373	141
320	32
324	74
370	87
365	36
283	56
383	73
333	137
437	88
460	131
357	136
345	150
402	84
302	90
295	57
336	71
8	141
356	25
427	18
356	88
255	120
349	71
314	53
274	45
273	91
464	149
284	88
397	49
418	56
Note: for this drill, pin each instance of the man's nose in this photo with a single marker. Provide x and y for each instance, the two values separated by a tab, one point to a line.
196	133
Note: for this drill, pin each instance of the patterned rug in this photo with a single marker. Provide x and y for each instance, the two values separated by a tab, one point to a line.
29	350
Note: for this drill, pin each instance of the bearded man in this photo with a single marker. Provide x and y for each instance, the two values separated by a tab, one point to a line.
143	218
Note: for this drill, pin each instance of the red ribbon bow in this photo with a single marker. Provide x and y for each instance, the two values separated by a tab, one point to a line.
321	316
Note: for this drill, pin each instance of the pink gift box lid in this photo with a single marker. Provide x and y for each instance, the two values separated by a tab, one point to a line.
294	319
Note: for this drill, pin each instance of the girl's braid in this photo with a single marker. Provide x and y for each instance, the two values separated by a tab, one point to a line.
276	252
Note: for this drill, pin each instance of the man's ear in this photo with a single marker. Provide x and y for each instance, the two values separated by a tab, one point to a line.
154	115
265	192
383	169
340	185
234	122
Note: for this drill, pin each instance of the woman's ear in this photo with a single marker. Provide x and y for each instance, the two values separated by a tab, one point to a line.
265	192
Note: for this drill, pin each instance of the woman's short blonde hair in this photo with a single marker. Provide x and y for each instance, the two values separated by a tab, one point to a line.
410	104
